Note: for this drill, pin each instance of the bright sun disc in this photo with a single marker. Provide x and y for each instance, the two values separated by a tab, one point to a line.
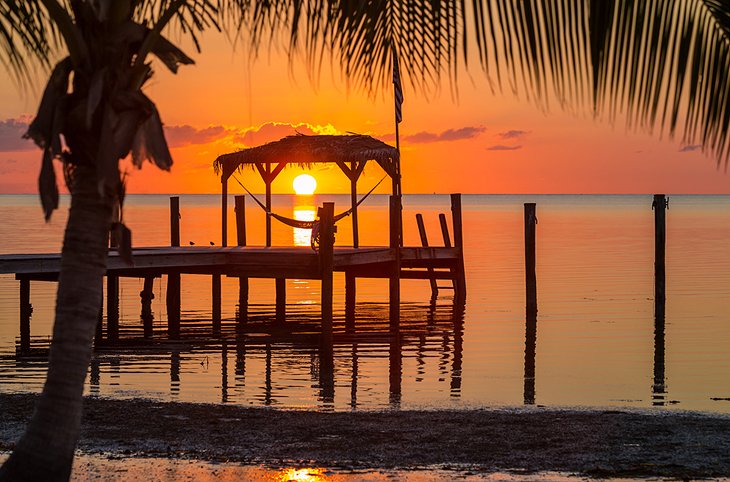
304	184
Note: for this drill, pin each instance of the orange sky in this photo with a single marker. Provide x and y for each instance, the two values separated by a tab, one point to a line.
482	143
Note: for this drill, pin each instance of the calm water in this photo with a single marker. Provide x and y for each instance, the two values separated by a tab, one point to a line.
595	343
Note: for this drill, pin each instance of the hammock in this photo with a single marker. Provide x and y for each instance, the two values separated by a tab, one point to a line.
297	223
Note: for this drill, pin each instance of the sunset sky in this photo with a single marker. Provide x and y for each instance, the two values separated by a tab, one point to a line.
479	143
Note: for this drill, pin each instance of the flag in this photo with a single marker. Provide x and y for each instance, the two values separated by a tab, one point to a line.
397	89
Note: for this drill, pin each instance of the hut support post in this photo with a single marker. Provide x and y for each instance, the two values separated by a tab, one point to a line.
173	277
394	281
660	241
147	296
530	277
26	309
354	174
224	211
424	243
456	221
280	300
241	239
268	205
326	262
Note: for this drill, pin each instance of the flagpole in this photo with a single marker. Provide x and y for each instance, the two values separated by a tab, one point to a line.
397	101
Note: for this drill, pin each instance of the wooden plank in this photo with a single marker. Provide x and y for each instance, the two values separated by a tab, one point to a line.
444	230
279	167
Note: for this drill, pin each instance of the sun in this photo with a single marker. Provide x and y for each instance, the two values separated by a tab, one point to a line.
304	184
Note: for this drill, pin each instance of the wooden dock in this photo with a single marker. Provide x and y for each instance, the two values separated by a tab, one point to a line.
394	262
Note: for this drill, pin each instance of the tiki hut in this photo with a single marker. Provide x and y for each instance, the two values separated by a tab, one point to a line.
349	152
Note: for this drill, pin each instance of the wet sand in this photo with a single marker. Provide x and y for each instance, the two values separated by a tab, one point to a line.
599	443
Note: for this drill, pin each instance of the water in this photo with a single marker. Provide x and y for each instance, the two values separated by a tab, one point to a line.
595	343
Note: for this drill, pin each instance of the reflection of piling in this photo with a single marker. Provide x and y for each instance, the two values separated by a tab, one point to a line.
660	240
350	301
241	238
530	349
659	386
395	371
326	253
112	308
456	365
224	372
394	279
280	300
216	297
530	278
173	277
147	296
326	373
174	372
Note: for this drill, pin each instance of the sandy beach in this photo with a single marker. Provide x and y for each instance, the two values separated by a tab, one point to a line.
596	443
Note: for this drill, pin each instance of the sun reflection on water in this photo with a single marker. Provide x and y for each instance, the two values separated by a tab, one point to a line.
302	475
303	236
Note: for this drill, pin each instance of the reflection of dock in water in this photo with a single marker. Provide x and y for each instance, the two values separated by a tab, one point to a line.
248	362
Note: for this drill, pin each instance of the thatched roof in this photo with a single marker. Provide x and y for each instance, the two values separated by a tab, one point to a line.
306	150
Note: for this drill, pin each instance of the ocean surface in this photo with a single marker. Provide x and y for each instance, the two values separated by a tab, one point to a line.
595	346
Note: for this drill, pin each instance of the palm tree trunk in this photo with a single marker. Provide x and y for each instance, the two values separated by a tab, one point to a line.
45	452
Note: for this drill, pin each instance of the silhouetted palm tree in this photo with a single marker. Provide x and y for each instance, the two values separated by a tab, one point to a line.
662	62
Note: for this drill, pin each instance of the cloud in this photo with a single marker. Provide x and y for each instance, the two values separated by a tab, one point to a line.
501	147
185	135
691	148
445	136
11	135
512	134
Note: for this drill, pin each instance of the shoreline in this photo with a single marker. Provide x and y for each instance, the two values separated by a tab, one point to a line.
589	442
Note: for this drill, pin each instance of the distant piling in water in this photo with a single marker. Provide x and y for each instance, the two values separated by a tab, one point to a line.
660	205
530	277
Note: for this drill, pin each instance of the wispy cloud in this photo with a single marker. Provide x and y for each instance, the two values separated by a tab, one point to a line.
11	135
691	148
448	135
513	134
502	147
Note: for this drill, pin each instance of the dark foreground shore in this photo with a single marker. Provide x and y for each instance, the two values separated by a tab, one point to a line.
594	443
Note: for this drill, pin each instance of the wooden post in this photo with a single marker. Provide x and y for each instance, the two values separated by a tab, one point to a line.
326	252
173	277
444	230
241	220
241	239
280	300
353	202
530	277
394	280
112	308
268	205
660	241
530	347
424	243
26	310
460	288
147	296
224	211
216	308
395	371
174	221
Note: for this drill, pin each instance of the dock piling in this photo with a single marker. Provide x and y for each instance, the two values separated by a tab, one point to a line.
173	277
659	205
530	277
394	279
326	253
456	221
241	241
26	309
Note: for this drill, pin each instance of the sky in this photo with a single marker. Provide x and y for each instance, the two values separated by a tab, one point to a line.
478	142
